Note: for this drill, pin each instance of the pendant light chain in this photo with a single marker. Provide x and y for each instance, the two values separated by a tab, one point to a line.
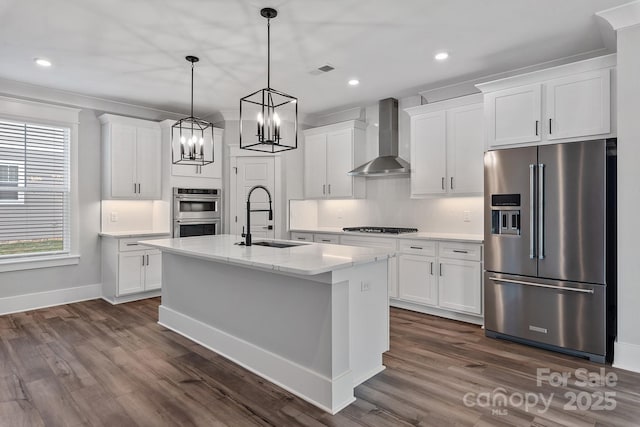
268	53
192	67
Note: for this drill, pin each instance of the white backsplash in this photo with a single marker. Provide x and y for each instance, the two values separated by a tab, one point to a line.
388	203
134	215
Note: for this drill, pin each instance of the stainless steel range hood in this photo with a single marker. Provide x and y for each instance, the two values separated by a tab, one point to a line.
387	163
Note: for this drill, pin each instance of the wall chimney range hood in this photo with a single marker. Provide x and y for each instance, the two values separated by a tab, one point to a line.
387	163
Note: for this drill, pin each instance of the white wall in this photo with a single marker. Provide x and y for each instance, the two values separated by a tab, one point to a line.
627	351
88	271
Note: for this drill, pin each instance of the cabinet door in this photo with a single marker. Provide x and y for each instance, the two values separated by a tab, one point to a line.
578	105
148	163
315	164
428	154
123	160
513	115
339	162
460	286
153	270
465	149
130	273
417	279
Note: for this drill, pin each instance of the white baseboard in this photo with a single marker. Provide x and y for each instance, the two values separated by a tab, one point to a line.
626	356
310	386
133	297
435	311
26	302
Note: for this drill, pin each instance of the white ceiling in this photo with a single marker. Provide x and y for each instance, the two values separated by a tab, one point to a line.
133	50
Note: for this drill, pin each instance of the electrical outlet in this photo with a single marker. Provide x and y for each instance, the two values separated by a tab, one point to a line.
466	216
114	216
364	286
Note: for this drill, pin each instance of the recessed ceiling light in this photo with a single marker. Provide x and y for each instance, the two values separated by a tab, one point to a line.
354	82
441	56
42	62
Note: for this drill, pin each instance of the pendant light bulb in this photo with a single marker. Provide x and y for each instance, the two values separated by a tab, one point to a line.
260	118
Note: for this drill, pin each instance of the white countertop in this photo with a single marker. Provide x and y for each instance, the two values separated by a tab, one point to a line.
305	259
459	237
129	234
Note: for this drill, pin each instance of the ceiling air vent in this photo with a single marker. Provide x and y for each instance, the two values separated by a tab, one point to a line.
320	70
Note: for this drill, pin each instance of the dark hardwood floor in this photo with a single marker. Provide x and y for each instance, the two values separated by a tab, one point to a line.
95	364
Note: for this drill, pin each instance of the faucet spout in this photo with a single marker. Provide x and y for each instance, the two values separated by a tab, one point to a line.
247	236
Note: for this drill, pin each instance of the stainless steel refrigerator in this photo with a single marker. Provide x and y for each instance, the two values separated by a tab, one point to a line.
550	269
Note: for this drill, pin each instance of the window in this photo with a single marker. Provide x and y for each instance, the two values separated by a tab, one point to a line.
34	189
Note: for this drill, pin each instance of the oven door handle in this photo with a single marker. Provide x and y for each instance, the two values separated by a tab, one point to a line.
540	285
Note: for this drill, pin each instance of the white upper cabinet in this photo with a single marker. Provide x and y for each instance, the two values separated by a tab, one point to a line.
561	104
330	152
513	115
465	149
447	145
428	151
578	105
132	157
315	166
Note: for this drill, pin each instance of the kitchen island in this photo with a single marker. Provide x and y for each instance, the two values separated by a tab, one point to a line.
312	318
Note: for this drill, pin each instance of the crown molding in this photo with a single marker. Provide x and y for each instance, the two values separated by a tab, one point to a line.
623	16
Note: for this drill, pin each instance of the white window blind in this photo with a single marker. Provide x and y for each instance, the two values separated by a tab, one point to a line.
34	189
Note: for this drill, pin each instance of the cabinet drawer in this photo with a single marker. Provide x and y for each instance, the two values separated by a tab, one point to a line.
126	245
305	237
418	247
458	250
327	238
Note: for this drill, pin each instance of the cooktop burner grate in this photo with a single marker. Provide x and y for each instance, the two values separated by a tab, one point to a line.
387	230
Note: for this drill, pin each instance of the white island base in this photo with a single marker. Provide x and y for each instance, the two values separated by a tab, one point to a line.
317	336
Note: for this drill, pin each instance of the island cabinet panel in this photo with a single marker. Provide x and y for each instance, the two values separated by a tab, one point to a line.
311	319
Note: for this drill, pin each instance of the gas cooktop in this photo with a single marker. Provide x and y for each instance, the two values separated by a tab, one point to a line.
387	230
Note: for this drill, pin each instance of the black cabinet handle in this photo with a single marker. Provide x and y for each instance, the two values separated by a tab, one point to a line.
537	121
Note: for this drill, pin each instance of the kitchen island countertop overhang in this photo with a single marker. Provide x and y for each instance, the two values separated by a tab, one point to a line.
313	318
303	259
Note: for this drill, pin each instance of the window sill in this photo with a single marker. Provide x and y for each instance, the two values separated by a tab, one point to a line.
31	263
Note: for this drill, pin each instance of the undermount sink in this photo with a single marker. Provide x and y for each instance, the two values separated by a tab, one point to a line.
280	245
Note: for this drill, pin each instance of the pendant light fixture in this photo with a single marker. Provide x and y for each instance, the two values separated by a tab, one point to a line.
263	113
191	137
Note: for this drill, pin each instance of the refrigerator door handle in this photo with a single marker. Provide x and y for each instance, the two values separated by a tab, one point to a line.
532	226
540	285
540	211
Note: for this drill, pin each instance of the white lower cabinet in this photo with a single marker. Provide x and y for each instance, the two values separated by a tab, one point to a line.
417	280
459	286
129	271
448	282
139	271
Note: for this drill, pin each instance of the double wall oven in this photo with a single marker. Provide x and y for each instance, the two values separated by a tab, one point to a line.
197	212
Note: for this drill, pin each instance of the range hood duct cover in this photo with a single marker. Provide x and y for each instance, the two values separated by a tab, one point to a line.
387	163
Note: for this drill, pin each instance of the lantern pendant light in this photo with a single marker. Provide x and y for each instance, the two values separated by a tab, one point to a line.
264	112
191	137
